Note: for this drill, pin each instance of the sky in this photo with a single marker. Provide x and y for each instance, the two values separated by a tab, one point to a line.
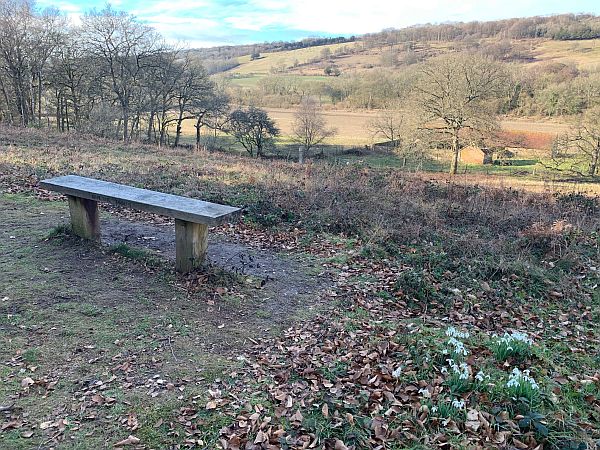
206	23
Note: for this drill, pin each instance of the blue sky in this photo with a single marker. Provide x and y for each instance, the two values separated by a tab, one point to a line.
203	23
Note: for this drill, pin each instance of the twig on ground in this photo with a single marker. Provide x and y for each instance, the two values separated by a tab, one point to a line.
7	408
171	347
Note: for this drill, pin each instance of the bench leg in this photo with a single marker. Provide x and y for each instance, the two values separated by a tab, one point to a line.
191	242
85	220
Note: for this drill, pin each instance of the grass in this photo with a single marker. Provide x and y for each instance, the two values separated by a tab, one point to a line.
74	314
585	53
277	60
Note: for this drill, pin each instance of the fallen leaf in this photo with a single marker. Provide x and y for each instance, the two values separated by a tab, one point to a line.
131	440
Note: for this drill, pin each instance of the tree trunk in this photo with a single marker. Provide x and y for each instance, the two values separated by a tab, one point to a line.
125	125
198	126
40	99
595	163
151	125
178	130
455	153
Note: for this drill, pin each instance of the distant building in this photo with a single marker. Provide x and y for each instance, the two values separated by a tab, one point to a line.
476	155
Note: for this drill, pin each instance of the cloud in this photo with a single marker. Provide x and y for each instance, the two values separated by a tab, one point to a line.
217	22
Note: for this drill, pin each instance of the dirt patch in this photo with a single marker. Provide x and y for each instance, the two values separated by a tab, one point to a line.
283	282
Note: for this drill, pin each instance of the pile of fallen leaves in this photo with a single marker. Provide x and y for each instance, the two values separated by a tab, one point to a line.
370	375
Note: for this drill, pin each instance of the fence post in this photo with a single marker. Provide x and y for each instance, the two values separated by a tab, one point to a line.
301	154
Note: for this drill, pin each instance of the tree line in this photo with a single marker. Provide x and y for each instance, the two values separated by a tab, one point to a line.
110	75
558	27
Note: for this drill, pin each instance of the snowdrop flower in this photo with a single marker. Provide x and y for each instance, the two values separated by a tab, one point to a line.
396	373
425	393
518	336
517	377
444	370
463	371
515	336
459	347
453	332
481	376
458	404
512	382
434	409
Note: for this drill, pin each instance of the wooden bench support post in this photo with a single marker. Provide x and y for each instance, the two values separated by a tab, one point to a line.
191	242
85	220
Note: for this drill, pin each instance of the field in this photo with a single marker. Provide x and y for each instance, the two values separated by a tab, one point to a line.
353	126
281	60
353	132
585	54
352	307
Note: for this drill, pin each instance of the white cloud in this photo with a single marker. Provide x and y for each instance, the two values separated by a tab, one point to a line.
213	22
350	16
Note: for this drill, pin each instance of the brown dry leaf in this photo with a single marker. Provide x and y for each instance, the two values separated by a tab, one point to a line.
46	425
131	440
519	444
211	405
325	410
297	417
472	423
339	445
132	422
260	437
26	382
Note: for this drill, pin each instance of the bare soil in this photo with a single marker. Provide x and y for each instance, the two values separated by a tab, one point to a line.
284	281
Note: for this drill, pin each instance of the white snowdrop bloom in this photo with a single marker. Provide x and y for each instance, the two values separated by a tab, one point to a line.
453	332
481	376
459	347
434	409
459	404
396	373
425	393
444	370
516	378
512	382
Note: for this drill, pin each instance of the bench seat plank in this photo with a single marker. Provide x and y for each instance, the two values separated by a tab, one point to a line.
183	208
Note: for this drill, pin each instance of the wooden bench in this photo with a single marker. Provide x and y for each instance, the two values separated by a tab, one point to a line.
192	217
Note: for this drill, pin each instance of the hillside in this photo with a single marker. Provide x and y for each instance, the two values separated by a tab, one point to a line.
584	54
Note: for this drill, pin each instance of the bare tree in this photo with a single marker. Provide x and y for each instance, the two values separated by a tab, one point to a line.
211	110
309	127
401	131
123	49
456	92
578	152
193	86
389	124
24	49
